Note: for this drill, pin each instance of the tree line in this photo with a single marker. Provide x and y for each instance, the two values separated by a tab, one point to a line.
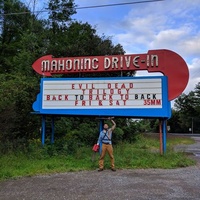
23	39
186	112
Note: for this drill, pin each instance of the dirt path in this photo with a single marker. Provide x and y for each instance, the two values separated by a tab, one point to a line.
180	184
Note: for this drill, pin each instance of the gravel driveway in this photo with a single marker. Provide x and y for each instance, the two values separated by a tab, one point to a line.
182	184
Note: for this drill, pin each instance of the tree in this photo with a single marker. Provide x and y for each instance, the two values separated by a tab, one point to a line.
174	122
20	46
196	120
185	105
197	98
60	12
12	29
16	97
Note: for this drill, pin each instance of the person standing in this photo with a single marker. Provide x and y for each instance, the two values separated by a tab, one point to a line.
105	139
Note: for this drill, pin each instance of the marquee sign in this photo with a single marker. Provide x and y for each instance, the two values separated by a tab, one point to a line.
138	97
165	61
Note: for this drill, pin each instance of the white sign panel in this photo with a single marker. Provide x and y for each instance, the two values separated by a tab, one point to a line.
92	94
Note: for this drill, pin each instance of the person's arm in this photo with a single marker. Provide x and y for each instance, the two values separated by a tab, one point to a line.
114	124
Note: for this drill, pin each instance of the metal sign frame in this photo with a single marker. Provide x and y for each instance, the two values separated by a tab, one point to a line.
161	111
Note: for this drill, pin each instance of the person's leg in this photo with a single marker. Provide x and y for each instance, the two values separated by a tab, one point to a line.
101	159
110	152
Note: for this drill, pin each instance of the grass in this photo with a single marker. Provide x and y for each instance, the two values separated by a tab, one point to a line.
17	165
144	153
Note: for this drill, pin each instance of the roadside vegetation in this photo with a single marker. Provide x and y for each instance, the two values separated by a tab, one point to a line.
143	153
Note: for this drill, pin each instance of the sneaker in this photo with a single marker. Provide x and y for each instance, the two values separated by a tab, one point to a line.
113	169
100	170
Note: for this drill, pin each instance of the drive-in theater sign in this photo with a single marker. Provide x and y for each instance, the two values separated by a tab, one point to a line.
134	97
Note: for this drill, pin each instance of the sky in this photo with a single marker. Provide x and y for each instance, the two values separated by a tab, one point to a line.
167	24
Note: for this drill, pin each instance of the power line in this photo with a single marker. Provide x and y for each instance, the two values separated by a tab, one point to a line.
86	7
118	4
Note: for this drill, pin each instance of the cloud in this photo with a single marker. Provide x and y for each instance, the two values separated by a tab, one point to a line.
170	38
161	29
194	75
191	46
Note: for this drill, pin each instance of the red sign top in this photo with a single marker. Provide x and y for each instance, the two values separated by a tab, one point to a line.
165	61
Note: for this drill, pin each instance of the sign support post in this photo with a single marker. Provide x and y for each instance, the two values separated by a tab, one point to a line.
43	129
164	138
160	136
52	129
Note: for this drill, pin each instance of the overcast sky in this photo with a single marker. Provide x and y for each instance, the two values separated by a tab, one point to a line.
167	24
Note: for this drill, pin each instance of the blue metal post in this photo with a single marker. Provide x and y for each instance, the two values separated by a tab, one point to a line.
164	127
160	136
43	129
52	129
101	125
